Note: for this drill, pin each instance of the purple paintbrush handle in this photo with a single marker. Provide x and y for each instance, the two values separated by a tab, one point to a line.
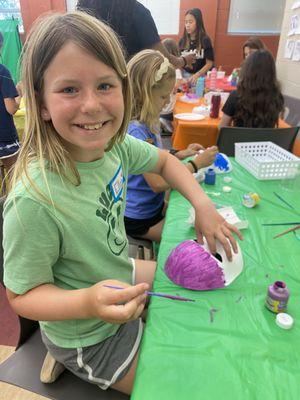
167	296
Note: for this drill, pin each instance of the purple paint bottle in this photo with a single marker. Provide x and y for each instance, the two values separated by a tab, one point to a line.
277	297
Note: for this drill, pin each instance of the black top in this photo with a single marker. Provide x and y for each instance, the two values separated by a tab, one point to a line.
143	33
229	107
8	90
207	54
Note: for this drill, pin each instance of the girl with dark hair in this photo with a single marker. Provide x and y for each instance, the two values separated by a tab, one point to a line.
196	38
252	44
257	102
134	24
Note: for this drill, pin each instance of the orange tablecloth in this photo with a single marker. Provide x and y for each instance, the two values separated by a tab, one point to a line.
204	132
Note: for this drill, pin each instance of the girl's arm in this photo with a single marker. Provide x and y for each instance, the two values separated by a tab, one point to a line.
12	104
158	184
225	121
202	71
178	62
50	303
208	222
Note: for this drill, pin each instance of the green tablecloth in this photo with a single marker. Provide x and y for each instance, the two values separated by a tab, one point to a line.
240	354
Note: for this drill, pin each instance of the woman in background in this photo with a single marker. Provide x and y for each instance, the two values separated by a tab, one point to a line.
134	24
257	102
196	38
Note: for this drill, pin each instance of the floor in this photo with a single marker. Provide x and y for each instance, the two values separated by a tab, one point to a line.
9	392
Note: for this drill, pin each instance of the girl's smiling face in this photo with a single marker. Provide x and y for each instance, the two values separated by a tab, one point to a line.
83	98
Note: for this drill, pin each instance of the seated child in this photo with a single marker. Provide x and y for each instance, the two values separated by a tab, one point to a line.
153	79
257	102
63	234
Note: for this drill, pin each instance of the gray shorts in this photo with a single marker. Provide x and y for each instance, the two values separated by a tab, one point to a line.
104	363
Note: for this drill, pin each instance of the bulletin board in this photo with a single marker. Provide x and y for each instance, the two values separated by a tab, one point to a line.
288	57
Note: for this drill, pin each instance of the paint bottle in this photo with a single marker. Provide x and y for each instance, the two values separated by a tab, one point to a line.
234	78
215	106
277	297
213	79
200	86
210	176
250	200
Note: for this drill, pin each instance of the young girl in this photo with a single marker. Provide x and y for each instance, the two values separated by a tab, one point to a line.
9	104
64	236
252	44
153	79
257	102
195	38
166	115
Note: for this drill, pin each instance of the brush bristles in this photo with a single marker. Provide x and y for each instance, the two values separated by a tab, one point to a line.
189	265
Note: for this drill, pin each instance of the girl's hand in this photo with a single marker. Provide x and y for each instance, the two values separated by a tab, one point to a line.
117	306
195	147
209	223
191	150
193	79
207	157
190	59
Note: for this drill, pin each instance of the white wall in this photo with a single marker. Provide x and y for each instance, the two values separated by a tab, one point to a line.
288	71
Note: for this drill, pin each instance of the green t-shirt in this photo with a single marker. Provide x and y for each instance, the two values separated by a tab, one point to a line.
79	242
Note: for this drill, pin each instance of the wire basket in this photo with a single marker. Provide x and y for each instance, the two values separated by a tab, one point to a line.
266	160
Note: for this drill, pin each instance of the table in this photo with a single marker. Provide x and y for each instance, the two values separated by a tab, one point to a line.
242	354
204	131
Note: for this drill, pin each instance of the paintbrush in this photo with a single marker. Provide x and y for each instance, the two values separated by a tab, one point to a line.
281	223
287	231
167	296
284	201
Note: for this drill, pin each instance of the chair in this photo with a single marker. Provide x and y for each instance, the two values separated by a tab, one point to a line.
291	112
228	136
141	248
185	134
23	367
296	147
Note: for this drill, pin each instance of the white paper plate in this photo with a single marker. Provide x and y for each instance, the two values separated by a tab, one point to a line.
186	99
189	116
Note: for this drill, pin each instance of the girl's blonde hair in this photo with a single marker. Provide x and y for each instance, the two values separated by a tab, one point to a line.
147	73
40	141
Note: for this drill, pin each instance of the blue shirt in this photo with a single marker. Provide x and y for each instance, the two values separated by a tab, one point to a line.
141	201
8	131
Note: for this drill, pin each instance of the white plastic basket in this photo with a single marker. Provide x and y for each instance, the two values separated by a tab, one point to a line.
266	160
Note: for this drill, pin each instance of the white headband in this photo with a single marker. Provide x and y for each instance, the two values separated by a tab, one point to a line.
164	66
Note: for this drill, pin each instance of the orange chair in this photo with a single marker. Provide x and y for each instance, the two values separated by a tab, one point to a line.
296	147
186	134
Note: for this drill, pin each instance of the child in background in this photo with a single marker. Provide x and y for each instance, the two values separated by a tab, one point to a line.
153	79
166	115
64	235
9	104
195	38
251	45
257	102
